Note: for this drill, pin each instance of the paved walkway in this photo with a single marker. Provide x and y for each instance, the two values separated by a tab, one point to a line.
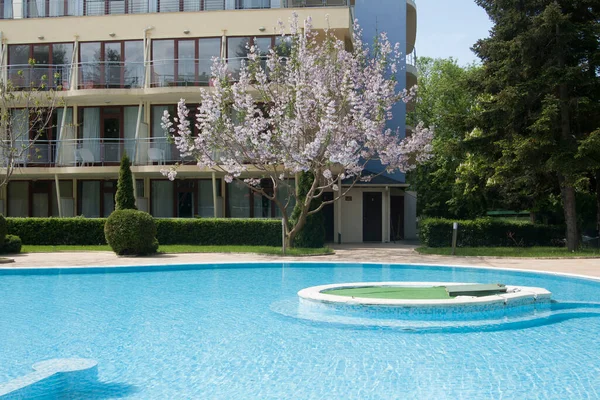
384	253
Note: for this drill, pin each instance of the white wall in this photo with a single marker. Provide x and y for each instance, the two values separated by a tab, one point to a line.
352	215
410	215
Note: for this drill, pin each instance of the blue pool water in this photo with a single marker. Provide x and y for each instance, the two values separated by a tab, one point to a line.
222	332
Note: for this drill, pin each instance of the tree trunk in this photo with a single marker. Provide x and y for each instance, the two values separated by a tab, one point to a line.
567	192
598	202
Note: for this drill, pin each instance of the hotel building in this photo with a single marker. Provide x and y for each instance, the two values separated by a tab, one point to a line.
116	65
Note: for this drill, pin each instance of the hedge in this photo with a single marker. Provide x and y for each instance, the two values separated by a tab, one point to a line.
219	231
201	231
489	232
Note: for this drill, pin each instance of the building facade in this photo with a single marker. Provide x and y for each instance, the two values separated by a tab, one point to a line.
117	65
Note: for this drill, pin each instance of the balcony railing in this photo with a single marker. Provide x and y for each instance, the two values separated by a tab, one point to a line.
110	74
62	8
39	76
180	72
411	59
90	152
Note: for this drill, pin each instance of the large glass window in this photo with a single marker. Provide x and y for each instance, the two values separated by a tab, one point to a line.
18	199
134	63
238	200
186	68
237	50
89	199
207	49
205	198
163	62
111	64
37	66
162	199
90	70
183	62
246	4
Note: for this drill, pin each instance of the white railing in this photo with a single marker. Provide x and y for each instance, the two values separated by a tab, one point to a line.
64	8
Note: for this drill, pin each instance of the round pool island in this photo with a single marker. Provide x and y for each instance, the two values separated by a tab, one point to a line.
424	300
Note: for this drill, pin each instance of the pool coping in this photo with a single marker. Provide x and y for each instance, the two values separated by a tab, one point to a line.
165	267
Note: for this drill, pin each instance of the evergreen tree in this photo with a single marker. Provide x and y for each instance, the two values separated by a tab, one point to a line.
541	94
125	198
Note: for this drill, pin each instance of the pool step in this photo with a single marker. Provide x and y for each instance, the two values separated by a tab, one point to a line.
52	377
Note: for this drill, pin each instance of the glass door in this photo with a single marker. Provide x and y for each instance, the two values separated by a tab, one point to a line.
112	134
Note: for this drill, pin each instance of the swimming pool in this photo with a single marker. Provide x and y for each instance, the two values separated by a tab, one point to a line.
214	332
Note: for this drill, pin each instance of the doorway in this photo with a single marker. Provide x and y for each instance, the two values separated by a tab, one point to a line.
112	122
185	193
372	214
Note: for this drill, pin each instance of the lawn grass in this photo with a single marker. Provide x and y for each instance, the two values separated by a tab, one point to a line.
184	248
396	293
552	252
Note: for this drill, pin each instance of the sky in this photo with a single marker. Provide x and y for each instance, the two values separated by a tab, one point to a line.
449	28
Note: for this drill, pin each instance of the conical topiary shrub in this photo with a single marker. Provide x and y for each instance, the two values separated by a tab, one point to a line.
125	199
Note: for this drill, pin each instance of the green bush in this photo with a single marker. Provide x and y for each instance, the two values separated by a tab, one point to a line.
219	231
124	198
3	228
131	232
203	231
12	245
58	231
488	232
312	234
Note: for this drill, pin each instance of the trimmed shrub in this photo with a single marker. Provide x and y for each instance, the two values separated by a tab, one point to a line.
219	231
124	198
131	232
203	231
312	234
488	232
12	244
3	228
58	231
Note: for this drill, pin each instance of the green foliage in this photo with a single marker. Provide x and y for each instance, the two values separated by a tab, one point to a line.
58	231
3	228
197	231
11	245
125	198
437	232
312	234
131	232
540	98
219	232
453	182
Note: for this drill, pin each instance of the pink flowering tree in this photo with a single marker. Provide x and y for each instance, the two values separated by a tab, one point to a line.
309	105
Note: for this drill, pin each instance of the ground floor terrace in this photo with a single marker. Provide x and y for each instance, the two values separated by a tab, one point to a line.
366	213
401	253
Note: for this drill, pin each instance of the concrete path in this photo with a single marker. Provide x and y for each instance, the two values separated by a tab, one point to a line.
384	253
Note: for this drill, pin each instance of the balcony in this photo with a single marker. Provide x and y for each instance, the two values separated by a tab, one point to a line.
64	8
110	75
180	72
39	76
98	152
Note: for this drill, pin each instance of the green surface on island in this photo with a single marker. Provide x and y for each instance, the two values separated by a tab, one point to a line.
393	292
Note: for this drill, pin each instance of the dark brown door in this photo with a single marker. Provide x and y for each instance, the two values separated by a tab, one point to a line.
372	216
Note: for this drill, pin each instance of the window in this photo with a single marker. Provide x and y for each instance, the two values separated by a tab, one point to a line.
111	64
50	67
246	4
183	62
